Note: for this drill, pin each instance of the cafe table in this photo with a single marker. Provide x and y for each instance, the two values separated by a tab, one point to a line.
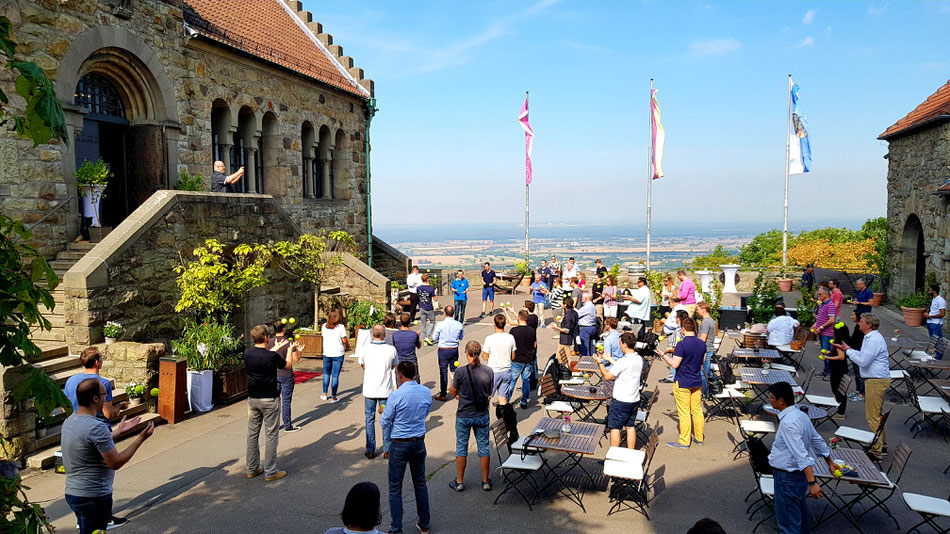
867	473
582	441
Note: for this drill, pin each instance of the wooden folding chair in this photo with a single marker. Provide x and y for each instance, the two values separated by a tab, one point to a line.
879	494
631	479
515	469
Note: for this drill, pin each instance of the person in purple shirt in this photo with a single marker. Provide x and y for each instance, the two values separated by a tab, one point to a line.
824	320
406	342
687	293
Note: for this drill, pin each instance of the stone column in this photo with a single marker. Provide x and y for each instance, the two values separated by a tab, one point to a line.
326	165
224	152
250	170
308	187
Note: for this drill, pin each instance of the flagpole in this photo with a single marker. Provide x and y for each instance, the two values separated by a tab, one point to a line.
526	211
788	125
650	175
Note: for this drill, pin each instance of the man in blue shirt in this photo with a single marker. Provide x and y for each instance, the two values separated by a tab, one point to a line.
796	448
612	350
489	279
459	288
808	278
545	272
587	321
538	291
448	333
91	360
405	419
863	297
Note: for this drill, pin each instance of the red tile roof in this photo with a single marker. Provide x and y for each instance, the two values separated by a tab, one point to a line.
264	29
935	108
944	189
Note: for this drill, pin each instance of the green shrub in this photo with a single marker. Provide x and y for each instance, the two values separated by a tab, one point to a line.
365	313
209	345
190	182
915	300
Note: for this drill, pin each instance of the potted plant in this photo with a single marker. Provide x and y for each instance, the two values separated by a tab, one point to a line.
876	291
310	340
762	301
135	391
207	346
91	181
363	314
112	331
312	259
914	305
784	282
805	308
523	270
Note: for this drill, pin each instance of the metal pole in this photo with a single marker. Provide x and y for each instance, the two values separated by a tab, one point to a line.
650	175
788	124
526	188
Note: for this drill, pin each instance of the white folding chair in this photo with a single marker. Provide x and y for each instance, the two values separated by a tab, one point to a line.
929	508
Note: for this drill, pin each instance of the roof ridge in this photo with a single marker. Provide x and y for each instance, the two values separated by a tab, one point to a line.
313	38
934	107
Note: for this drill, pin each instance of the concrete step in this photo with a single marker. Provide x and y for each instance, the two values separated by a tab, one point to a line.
61	376
80	247
45	457
55	365
51	350
70	255
56	319
54	335
61	265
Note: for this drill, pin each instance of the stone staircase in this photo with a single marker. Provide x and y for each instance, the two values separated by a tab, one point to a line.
64	260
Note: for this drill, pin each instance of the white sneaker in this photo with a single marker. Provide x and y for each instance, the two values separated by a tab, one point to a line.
334	399
323	397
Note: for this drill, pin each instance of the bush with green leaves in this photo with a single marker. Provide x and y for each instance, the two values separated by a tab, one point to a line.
190	182
209	344
113	330
312	259
214	284
762	301
92	173
364	313
718	256
915	300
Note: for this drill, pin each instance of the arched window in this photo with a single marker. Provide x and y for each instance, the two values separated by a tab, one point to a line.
98	96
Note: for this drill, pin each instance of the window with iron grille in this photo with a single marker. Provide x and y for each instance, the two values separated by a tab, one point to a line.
97	95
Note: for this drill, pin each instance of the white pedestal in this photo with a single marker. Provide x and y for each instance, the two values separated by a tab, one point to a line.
730	272
705	278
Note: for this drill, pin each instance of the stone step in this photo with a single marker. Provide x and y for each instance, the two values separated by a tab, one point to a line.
55	318
330	290
55	365
80	247
61	376
51	350
70	255
45	457
56	334
61	265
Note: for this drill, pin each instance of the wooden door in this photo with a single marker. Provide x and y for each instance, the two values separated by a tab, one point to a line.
146	164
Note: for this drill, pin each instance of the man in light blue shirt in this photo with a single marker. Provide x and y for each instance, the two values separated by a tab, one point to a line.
612	341
460	293
587	321
796	448
448	333
539	290
873	364
405	418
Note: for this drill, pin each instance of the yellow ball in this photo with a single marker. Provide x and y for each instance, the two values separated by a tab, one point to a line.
283	320
291	320
838	473
820	357
661	338
297	336
456	364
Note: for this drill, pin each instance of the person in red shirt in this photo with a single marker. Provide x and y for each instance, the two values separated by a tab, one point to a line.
836	296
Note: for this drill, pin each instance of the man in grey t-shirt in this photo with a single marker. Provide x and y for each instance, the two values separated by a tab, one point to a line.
707	333
91	458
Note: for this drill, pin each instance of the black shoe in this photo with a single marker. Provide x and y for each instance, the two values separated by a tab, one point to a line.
523	406
291	428
666	381
457	486
116	522
369	455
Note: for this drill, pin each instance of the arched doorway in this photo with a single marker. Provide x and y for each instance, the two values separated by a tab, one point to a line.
913	268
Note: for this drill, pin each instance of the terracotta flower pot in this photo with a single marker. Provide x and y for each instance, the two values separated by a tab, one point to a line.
913	316
785	285
878	298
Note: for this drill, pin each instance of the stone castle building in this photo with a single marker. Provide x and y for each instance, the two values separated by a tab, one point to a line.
918	195
160	87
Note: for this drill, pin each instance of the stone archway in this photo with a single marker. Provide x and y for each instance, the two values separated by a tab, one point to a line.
149	99
913	266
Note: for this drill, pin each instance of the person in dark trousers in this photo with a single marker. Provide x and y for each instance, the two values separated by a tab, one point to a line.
796	448
222	183
406	342
838	363
413	282
263	406
285	377
472	386
405	415
525	362
568	328
855	341
808	278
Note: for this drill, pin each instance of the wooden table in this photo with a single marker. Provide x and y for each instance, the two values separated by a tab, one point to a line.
588	401
868	473
931	368
587	365
942	387
814	413
760	381
752	354
583	440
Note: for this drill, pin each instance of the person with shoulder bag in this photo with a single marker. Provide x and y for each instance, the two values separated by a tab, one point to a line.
472	385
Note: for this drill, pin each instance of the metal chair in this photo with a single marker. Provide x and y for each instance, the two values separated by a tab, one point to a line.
644	413
514	469
830	403
559	403
630	478
865	438
929	508
931	411
748	428
765	487
879	494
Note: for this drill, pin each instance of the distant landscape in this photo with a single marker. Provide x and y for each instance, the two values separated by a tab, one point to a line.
673	245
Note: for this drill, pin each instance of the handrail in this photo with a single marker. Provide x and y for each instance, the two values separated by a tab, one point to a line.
52	211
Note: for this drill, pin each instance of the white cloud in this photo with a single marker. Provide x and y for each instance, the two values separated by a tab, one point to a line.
807	41
877	9
809	17
715	47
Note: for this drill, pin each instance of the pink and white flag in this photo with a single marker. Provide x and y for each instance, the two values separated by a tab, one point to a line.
528	140
659	136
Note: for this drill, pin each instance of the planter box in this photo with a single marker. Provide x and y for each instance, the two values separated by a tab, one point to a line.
312	344
200	388
913	316
658	326
230	385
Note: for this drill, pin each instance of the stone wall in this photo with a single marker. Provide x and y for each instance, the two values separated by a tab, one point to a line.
390	262
126	362
358	281
173	81
918	164
18	421
129	277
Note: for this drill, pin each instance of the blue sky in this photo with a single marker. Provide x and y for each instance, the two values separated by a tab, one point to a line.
451	75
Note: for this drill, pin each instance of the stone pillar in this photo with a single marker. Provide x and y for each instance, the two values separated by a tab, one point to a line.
250	170
325	175
308	187
224	152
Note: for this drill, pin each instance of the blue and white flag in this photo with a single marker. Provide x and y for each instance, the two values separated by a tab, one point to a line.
799	148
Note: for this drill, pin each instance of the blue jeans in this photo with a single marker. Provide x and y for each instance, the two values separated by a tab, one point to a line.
707	368
935	330
447	359
826	345
526	371
587	340
369	406
331	369
459	314
285	385
413	454
791	503
92	513
480	426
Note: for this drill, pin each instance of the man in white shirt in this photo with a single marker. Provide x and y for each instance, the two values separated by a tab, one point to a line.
670	326
626	394
640	301
571	270
781	328
938	310
413	281
377	360
498	350
873	363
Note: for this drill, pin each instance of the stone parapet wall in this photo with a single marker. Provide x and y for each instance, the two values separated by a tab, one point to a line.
129	277
390	262
126	362
18	421
358	281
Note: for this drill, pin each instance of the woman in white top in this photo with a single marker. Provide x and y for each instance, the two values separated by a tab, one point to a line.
610	297
361	511
665	293
335	345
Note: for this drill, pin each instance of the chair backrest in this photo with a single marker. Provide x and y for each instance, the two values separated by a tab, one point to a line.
880	428
806	382
844	385
895	462
801	334
940	346
548	388
500	434
651	448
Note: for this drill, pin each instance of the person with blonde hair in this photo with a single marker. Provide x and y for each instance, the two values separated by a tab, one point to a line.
666	292
335	345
